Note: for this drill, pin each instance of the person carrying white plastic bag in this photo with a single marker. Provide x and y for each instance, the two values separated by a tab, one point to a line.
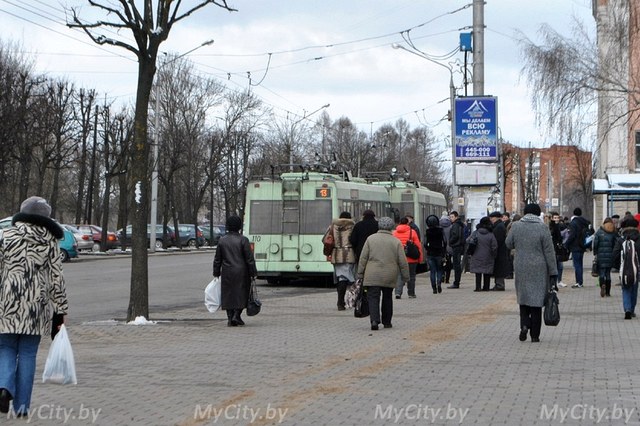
32	291
212	295
60	367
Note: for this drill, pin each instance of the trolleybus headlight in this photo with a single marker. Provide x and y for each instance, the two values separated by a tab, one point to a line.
274	248
306	248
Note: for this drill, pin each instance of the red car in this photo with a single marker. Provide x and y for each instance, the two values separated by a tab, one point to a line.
96	232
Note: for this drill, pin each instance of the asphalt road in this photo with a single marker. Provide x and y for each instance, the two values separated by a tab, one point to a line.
98	287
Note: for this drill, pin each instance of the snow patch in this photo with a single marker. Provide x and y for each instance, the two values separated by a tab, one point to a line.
141	321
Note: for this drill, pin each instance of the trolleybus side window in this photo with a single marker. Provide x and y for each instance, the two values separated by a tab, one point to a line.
266	217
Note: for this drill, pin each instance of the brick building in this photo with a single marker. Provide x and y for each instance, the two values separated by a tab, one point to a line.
558	178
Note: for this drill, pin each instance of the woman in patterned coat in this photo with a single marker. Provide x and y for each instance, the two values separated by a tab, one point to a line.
30	282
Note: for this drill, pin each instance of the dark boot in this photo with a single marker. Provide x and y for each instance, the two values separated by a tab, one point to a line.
342	290
607	284
434	288
230	321
603	287
5	399
236	317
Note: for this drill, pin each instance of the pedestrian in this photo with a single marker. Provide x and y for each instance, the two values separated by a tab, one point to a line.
456	242
604	242
445	224
343	258
502	266
628	231
362	230
32	295
235	265
414	225
616	221
484	256
435	250
506	219
534	268
557	228
578	230
404	232
381	260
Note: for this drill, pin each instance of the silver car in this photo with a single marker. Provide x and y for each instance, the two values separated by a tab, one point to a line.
84	240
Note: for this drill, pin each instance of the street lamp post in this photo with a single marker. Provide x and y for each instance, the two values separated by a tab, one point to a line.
156	143
304	117
452	97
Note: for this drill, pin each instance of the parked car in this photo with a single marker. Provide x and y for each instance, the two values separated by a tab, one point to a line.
84	241
189	234
171	235
68	244
96	233
218	231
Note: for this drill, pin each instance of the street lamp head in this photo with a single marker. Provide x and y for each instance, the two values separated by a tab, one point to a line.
396	46
208	43
326	106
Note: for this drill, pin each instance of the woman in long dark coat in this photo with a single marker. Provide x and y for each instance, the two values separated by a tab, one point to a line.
235	264
484	257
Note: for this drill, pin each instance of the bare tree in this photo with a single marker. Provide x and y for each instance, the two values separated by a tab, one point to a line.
149	30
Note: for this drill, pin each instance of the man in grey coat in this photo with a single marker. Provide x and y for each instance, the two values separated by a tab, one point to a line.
535	268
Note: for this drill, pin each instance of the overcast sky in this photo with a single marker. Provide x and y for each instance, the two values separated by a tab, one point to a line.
333	52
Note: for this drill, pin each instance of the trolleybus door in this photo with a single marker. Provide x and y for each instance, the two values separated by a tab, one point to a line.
291	220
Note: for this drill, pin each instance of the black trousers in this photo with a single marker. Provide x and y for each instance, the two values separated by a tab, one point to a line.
456	258
373	297
531	317
484	280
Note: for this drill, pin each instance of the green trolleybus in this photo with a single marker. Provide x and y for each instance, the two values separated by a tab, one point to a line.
286	216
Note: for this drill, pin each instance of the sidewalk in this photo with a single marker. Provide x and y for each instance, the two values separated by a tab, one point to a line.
452	358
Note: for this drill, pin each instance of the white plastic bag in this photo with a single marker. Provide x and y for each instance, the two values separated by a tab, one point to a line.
212	295
60	367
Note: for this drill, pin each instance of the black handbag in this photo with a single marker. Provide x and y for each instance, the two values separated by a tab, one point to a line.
595	270
254	304
410	249
551	311
361	308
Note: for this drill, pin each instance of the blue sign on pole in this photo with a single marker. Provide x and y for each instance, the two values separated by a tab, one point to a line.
476	129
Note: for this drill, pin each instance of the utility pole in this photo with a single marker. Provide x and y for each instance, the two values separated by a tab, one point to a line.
478	48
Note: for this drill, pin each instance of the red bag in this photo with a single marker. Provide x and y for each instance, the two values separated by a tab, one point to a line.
328	242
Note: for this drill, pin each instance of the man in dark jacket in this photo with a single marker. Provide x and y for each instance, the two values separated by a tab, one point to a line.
413	225
501	264
456	242
575	243
361	231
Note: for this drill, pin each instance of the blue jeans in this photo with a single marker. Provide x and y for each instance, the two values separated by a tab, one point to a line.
560	269
18	367
435	270
577	265
411	284
629	297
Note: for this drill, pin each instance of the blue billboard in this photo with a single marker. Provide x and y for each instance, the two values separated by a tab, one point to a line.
476	129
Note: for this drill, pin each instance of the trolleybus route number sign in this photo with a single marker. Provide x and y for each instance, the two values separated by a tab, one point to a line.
323	193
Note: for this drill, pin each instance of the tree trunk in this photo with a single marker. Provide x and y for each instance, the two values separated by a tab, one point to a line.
140	182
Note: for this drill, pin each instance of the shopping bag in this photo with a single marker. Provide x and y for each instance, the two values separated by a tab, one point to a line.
352	293
254	305
60	367
212	295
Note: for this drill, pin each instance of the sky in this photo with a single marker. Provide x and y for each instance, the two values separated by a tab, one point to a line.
298	56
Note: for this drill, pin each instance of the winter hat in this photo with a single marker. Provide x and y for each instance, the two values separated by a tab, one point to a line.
234	224
577	211
495	214
36	205
532	208
368	213
432	221
385	223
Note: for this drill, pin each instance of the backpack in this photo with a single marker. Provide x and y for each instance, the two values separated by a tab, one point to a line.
629	263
